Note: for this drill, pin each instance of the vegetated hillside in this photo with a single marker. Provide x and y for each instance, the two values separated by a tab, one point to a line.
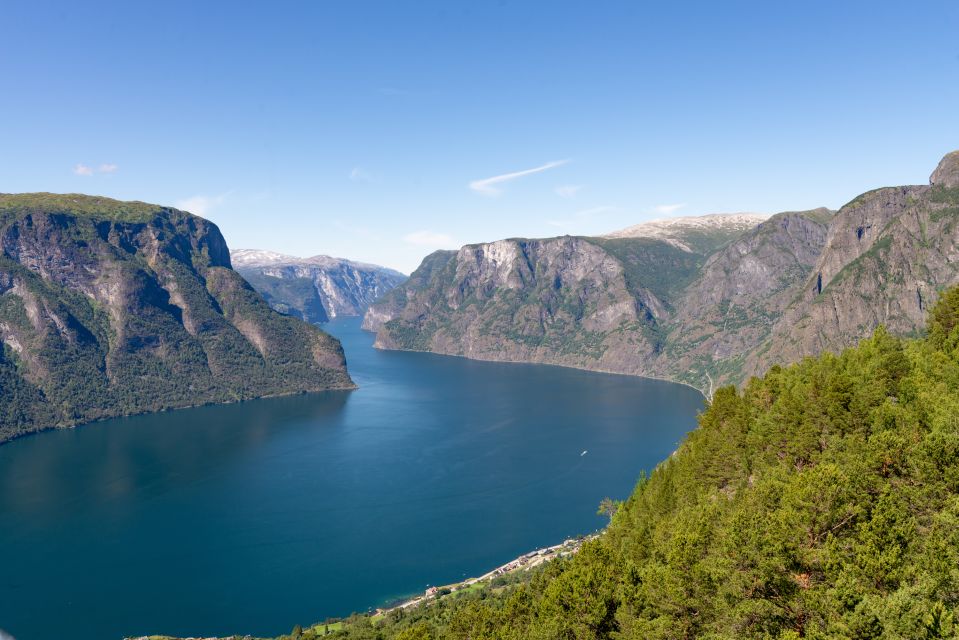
315	289
820	501
702	301
109	308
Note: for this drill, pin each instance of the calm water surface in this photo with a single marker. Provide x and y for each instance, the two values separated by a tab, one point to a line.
257	516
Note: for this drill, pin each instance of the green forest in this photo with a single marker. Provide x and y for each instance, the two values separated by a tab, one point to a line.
820	501
111	308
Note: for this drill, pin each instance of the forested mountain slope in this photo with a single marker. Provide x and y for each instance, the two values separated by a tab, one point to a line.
109	308
820	501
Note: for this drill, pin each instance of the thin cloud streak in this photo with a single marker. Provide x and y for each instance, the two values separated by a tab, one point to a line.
359	175
86	170
666	209
487	187
568	191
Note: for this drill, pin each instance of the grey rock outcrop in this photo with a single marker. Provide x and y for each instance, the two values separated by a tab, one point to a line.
315	289
946	174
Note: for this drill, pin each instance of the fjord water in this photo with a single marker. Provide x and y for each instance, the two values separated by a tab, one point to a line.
256	516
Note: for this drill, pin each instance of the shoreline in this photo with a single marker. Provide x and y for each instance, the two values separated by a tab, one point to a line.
523	562
701	392
199	405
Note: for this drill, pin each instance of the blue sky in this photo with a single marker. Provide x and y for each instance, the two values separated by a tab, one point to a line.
382	131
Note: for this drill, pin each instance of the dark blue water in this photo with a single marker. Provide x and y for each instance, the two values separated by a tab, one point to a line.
254	517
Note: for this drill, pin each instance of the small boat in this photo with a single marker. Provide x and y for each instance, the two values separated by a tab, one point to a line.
583	453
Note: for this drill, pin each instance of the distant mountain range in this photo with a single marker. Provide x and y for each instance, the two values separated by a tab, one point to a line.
315	289
704	301
110	308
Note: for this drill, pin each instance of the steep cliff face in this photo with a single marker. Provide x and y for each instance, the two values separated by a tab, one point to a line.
110	308
315	289
740	295
887	255
675	303
560	300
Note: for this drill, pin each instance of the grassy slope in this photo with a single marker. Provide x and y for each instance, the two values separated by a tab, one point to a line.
13	205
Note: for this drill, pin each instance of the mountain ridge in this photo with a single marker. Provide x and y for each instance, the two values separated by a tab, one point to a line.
318	288
110	308
681	231
707	313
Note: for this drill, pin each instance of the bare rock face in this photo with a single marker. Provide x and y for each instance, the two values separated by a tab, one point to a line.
704	302
560	300
741	294
888	254
946	174
109	308
315	289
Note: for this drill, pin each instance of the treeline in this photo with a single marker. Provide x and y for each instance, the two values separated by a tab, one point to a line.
820	501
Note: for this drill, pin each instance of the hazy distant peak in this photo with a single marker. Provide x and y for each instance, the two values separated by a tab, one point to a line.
252	258
259	258
675	231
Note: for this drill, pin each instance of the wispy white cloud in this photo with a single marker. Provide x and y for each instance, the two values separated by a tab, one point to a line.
487	186
201	205
86	170
666	209
358	174
568	190
433	239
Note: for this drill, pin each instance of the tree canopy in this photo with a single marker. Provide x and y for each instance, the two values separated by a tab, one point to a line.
820	501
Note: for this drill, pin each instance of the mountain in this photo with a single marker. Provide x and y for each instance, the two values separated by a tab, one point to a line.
703	301
110	308
315	289
887	256
700	234
820	501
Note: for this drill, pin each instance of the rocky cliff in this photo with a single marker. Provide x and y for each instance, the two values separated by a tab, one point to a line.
703	302
110	308
888	253
315	289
